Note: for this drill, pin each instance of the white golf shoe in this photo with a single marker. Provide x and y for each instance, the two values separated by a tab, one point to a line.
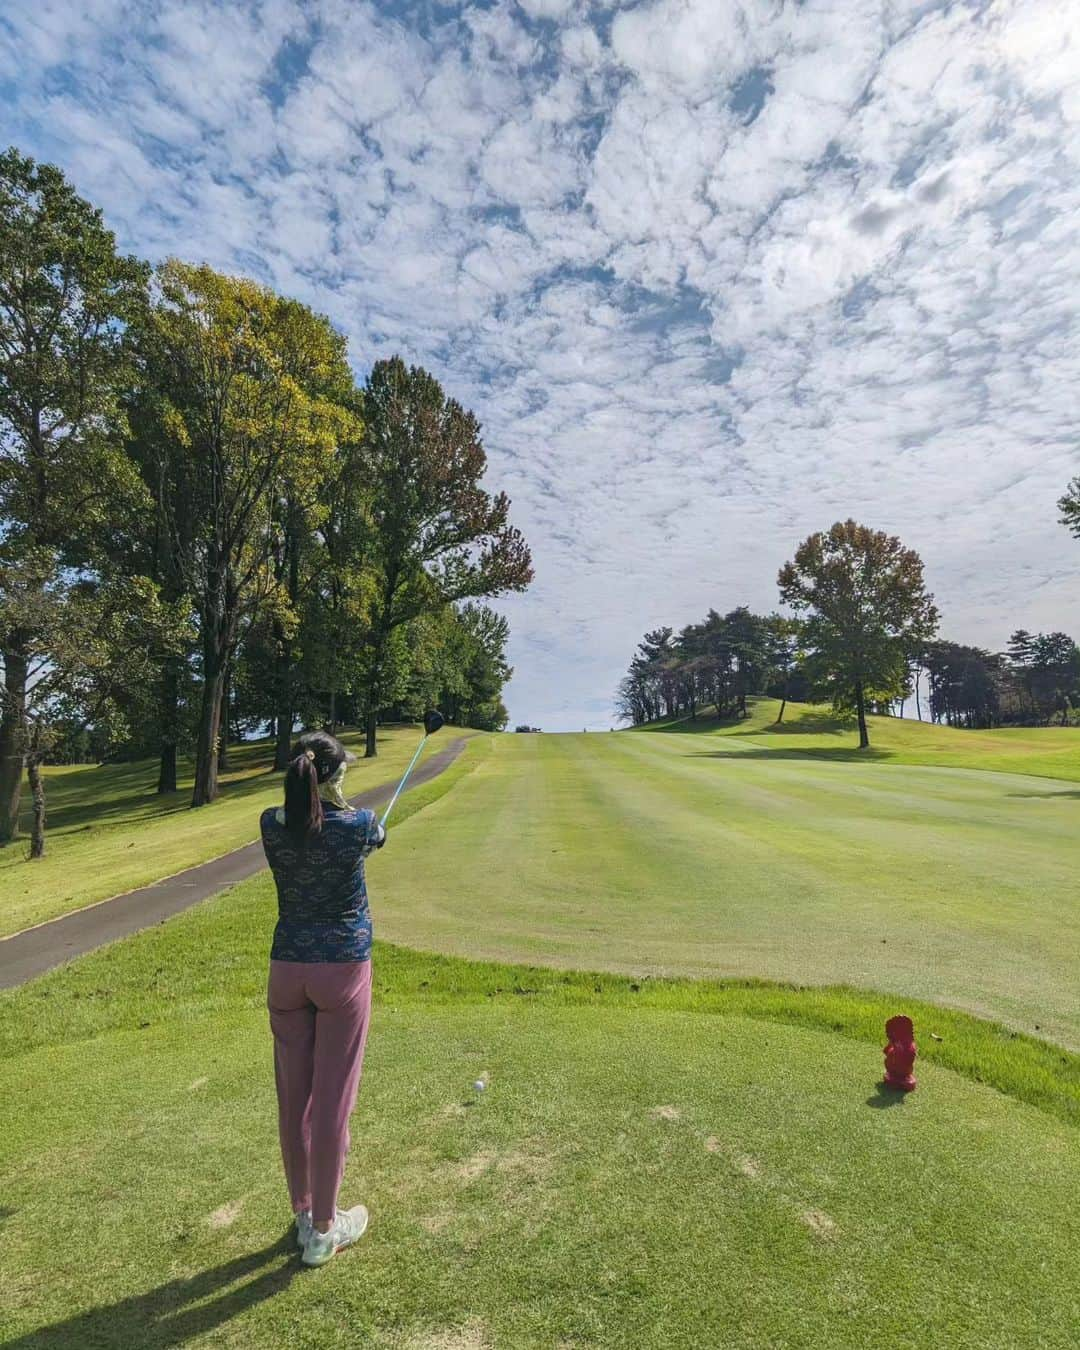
348	1227
303	1227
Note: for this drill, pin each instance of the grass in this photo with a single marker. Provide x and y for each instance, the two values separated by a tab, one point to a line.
811	731
654	1163
664	1158
673	854
109	831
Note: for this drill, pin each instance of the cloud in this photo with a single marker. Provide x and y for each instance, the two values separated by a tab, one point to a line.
711	276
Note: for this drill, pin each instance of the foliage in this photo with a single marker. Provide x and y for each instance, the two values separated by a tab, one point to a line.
91	647
723	661
196	450
437	536
245	382
866	608
67	300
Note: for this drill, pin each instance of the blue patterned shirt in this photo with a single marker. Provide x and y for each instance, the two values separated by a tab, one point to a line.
323	910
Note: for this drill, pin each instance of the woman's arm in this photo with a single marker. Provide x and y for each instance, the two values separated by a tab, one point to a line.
374	833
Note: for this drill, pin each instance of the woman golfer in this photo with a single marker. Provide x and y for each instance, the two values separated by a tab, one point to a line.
320	984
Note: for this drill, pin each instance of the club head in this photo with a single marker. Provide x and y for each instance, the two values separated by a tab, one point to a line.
433	720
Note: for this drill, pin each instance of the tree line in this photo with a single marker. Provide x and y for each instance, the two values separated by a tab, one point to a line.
207	526
861	633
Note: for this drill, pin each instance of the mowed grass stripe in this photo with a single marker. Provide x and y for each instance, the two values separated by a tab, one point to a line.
587	850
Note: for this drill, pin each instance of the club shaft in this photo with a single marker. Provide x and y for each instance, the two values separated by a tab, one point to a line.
404	779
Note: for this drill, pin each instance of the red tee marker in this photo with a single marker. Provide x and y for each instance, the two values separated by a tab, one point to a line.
900	1054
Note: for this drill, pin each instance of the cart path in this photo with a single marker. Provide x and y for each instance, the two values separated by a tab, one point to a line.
36	950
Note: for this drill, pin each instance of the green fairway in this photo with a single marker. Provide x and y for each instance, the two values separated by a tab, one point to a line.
652	1165
706	854
109	831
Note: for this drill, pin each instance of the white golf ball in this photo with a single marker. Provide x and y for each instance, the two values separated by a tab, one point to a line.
479	1085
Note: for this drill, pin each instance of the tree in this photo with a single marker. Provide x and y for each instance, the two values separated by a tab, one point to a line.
725	659
783	637
1020	652
95	641
482	636
866	608
246	383
66	300
436	535
965	684
1053	675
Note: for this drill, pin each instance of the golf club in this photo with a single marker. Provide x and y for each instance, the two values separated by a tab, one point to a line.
433	720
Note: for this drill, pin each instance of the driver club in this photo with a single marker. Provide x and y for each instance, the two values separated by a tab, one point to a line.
433	720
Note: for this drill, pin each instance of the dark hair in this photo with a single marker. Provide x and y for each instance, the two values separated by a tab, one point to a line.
317	756
323	750
303	806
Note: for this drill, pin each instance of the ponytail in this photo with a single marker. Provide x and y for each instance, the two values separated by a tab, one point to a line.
303	806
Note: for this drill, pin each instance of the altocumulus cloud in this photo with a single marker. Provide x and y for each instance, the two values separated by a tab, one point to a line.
713	275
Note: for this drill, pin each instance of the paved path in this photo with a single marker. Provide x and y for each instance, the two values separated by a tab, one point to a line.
37	950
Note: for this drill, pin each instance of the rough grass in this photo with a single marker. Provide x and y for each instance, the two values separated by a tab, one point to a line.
109	831
655	1163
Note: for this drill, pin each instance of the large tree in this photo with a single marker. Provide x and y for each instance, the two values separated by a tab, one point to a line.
866	609
436	535
96	643
250	388
67	299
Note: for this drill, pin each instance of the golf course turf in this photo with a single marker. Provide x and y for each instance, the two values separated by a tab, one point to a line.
659	1160
109	831
705	855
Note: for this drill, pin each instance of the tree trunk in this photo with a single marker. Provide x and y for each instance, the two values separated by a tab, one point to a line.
12	739
206	744
284	711
283	741
170	698
783	699
918	704
167	768
370	749
37	789
860	708
223	722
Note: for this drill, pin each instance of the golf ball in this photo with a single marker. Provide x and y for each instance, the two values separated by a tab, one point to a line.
479	1085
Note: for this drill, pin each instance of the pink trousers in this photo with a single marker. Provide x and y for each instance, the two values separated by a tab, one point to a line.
319	1013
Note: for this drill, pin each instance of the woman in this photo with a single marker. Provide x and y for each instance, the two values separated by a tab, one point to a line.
320	983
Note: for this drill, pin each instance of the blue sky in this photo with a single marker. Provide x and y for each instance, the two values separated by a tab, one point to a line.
713	275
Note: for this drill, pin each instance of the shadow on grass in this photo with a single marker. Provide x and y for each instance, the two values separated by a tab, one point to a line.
92	796
810	724
796	724
109	793
165	1316
885	1097
826	752
693	726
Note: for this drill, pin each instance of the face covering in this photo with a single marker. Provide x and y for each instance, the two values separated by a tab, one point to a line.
331	792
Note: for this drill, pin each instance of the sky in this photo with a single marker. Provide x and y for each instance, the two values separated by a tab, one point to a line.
713	274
